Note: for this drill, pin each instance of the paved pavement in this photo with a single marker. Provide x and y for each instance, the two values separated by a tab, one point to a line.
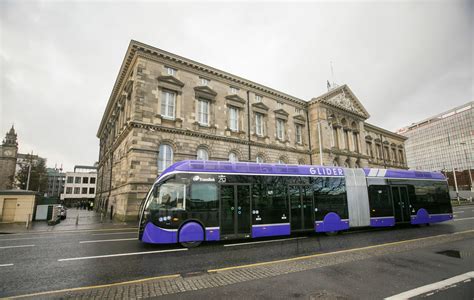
44	261
76	219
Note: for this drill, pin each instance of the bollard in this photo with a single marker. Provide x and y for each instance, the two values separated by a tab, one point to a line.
77	219
28	221
101	218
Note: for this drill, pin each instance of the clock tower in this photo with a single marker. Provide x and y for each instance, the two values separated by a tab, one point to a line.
8	158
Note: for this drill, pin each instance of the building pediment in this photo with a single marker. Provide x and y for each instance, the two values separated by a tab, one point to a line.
205	92
170	83
343	98
299	119
260	105
281	114
170	80
235	100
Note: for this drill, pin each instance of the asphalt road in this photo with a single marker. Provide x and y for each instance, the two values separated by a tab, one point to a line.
36	262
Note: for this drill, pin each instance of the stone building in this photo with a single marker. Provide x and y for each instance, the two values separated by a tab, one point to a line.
8	160
164	108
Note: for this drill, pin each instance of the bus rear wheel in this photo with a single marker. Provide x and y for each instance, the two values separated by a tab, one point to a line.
191	244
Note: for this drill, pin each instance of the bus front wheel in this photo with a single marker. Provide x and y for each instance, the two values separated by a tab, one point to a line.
191	244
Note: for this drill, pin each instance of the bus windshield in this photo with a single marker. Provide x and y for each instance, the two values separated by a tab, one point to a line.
167	196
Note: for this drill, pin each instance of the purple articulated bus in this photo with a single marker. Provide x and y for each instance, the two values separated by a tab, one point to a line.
196	201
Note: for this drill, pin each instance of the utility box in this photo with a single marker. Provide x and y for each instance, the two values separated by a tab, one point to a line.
44	212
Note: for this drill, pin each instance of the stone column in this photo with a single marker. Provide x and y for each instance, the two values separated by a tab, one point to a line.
340	135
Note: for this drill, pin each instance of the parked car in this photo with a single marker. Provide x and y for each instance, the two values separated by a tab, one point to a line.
62	211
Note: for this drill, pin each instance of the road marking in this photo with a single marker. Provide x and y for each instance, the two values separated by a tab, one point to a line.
95	286
460	211
18	239
335	252
260	242
72	231
432	287
470	218
6	265
112	240
18	246
127	232
122	254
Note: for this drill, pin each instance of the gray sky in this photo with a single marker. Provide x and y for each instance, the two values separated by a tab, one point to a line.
405	60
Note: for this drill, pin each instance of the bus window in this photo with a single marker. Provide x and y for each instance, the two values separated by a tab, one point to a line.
203	197
380	201
269	201
167	196
330	196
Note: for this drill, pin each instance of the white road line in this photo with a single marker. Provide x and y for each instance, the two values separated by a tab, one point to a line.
18	246
122	254
260	242
18	239
6	265
129	232
112	240
432	287
460	211
463	219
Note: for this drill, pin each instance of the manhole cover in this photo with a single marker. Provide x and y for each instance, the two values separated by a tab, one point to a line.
451	253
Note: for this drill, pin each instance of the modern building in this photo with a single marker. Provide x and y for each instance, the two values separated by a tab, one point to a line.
56	180
164	108
444	142
80	185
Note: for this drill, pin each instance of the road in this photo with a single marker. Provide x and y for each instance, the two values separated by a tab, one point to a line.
38	262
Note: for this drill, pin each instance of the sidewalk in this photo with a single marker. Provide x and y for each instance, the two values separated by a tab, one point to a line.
87	220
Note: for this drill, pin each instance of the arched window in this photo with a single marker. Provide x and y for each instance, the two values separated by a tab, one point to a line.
260	159
334	163
202	154
301	162
165	157
356	165
346	164
233	157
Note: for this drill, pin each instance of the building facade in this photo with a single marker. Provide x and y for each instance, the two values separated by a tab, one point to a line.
8	160
165	108
80	185
442	142
56	181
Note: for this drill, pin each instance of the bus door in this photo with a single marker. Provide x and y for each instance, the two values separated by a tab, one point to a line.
401	204
301	207
235	211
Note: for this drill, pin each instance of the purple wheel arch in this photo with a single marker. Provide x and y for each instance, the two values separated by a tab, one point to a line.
191	232
423	217
331	222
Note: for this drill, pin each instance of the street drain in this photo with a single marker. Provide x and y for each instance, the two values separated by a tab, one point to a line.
451	253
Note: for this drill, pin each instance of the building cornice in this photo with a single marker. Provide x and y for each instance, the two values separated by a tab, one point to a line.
386	132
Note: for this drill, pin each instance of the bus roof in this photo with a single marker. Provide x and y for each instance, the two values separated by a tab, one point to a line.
200	166
402	174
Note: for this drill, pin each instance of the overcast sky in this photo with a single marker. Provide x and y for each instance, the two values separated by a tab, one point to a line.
404	60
